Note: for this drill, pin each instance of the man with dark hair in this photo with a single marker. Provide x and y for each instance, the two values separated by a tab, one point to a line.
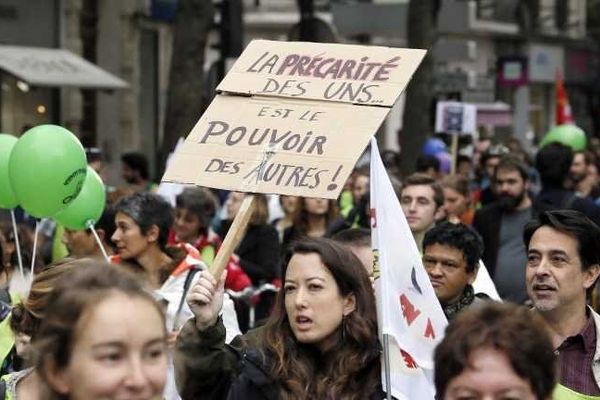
135	171
421	199
584	181
553	163
500	225
488	162
429	165
451	254
495	349
358	240
82	243
563	264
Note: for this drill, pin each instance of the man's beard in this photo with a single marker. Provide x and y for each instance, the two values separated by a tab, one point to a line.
576	178
509	202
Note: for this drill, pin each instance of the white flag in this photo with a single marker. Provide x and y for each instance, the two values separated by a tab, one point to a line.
407	308
483	283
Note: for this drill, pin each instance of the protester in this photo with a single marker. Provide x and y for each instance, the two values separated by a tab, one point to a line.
553	162
500	225
451	254
496	351
103	337
314	218
95	160
360	184
421	200
82	243
563	263
18	285
464	166
25	320
429	165
135	171
288	205
489	160
319	343
258	252
584	175
143	222
457	199
194	211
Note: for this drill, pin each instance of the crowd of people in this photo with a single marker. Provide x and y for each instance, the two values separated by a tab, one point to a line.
130	310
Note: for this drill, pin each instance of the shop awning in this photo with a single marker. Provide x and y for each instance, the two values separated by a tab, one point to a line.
46	67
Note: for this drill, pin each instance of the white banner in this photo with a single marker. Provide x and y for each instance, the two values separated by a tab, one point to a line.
407	307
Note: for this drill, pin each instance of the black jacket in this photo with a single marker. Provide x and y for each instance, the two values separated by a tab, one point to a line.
487	222
554	199
258	251
253	381
207	368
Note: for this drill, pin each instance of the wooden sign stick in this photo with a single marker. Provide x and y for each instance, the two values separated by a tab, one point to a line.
454	152
234	235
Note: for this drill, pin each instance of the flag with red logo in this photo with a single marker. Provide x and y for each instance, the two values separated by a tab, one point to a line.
563	108
407	308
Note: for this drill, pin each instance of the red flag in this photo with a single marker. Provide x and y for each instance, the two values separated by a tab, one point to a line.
563	108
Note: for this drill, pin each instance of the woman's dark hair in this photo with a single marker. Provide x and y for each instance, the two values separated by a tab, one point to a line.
350	370
148	209
28	313
459	237
261	212
74	296
137	162
301	214
106	222
513	330
199	201
26	236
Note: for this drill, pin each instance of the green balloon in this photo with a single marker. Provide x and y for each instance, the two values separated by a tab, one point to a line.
7	195
569	135
46	169
87	207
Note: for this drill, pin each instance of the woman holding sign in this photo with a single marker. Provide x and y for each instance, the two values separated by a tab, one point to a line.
320	342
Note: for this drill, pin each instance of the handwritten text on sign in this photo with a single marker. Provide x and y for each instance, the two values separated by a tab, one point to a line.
275	146
341	73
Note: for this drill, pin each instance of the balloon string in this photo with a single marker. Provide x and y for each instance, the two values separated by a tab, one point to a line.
17	245
99	243
35	239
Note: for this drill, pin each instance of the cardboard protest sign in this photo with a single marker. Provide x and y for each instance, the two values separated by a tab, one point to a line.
303	138
455	117
320	71
275	146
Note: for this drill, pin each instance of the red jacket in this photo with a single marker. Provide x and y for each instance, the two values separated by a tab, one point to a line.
237	280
